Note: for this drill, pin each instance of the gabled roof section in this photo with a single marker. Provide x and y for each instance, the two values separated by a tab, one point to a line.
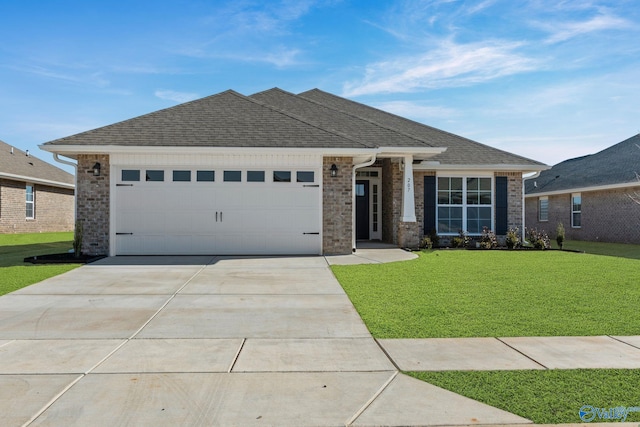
460	151
227	120
22	167
369	133
617	164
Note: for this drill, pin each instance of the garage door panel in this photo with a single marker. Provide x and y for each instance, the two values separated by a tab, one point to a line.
226	218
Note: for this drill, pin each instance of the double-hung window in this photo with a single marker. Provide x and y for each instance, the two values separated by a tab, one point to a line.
576	210
543	209
30	202
464	203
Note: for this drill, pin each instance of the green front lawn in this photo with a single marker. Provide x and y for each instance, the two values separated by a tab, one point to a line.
599	248
459	293
16	274
546	397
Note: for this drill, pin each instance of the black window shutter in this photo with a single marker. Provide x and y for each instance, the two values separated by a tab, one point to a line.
429	204
501	205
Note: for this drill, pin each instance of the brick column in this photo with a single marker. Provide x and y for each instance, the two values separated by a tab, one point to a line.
337	206
92	200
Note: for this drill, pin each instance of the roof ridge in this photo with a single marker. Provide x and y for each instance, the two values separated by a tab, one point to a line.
304	120
418	123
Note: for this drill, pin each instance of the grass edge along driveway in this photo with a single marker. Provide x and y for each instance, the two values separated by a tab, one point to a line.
15	273
502	293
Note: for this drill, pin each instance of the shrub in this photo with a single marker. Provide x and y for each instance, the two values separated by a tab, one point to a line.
461	241
513	238
560	235
426	243
538	239
488	239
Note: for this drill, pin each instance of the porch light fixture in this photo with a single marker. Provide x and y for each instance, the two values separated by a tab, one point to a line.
96	169
334	170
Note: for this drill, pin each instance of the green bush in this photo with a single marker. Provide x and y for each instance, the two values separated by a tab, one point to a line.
513	238
538	239
560	235
488	239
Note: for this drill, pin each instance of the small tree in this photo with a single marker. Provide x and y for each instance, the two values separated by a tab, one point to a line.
77	239
560	235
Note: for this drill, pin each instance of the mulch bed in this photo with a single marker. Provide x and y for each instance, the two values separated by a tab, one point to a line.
63	258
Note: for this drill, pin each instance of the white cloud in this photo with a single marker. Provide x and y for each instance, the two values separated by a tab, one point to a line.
450	65
562	31
172	95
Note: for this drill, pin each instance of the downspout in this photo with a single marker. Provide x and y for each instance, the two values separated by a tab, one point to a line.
75	183
353	198
535	175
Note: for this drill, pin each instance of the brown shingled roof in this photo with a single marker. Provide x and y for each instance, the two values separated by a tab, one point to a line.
29	166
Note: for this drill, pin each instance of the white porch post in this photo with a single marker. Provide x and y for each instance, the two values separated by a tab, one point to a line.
408	198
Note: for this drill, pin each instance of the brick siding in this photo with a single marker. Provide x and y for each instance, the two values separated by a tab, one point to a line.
337	206
93	203
53	208
514	199
607	216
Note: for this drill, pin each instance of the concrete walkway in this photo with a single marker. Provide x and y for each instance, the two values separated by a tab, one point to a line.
206	341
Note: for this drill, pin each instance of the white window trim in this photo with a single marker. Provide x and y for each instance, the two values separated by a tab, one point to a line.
573	195
32	202
540	199
464	205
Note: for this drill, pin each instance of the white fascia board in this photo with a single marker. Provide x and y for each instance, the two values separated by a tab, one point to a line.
14	177
433	166
585	189
71	150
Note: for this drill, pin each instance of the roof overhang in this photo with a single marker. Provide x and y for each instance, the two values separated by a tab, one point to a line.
585	189
437	166
23	178
72	151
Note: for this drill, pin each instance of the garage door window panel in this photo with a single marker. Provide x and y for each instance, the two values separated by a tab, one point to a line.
232	176
130	175
154	175
281	176
305	176
255	176
182	176
205	176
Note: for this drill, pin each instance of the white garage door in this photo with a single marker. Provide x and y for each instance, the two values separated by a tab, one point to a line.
190	211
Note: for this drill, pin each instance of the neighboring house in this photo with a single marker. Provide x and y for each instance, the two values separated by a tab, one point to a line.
278	173
595	197
34	195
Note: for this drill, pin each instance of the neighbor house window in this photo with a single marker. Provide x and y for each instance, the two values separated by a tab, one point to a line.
30	202
543	209
464	203
576	210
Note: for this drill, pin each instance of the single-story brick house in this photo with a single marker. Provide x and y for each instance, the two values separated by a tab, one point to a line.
279	173
35	196
595	197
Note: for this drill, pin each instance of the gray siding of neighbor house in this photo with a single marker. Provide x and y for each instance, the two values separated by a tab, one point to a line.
607	216
53	208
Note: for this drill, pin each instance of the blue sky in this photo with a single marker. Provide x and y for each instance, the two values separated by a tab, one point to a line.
545	79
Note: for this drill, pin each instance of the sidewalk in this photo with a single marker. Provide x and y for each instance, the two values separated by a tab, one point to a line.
489	354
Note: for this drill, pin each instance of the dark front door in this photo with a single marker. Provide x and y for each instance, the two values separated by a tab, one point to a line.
362	210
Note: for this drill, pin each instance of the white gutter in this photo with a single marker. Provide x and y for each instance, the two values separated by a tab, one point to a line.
353	198
75	177
585	189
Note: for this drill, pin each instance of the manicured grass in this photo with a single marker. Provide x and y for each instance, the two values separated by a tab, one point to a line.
16	274
545	397
458	293
599	248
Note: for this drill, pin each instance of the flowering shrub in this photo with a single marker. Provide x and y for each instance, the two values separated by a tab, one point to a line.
513	238
488	239
538	239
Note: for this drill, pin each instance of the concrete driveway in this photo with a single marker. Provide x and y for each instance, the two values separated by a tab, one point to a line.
206	341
